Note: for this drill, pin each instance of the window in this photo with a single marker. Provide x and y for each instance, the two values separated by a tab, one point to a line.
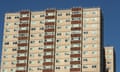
32	42
14	49
85	66
8	17
58	40
75	45
41	28
7	30
33	22
93	66
59	14
42	15
86	32
42	22
85	59
16	17
59	34
33	28
6	43
57	67
16	23
68	20
68	14
14	43
85	52
94	52
33	16
57	61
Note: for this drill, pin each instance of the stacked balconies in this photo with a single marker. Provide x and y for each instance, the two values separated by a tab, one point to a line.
23	45
49	53
76	30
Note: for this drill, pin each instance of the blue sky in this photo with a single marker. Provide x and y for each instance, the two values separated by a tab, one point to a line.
111	14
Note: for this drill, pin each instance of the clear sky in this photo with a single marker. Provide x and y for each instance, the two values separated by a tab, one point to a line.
110	8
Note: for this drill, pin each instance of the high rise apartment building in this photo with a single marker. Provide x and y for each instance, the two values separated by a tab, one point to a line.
53	41
109	59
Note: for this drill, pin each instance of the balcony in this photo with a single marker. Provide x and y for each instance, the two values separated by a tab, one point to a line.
74	62
21	64
77	15
74	69
75	35
23	25
75	48
50	17
22	38
22	58
76	28
23	31
48	43
49	30
50	10
25	18
21	51
24	12
48	56
47	50
48	63
76	9
76	22
49	23
22	44
75	41
20	70
75	55
49	36
48	70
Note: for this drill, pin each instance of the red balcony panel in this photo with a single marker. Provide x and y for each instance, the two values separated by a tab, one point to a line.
24	12
23	31
49	30
50	10
75	48
21	64
75	41
46	50
48	56
76	9
48	70
77	15
50	17
74	62
48	63
76	22
21	71
25	18
75	35
23	25
21	51
75	55
76	28
22	38
48	43
23	44
22	58
74	69
49	36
